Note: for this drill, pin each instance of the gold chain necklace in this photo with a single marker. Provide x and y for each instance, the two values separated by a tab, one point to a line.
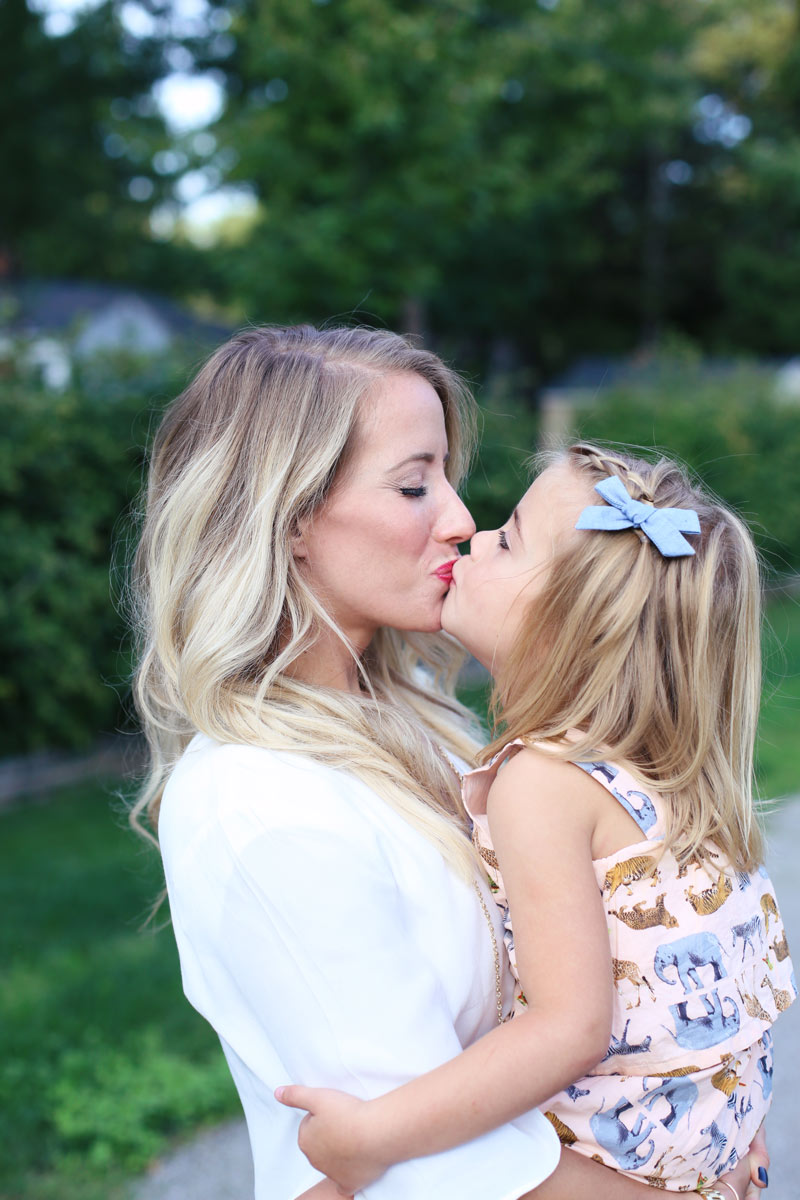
498	990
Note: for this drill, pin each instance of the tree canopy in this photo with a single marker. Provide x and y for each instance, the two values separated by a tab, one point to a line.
79	133
529	180
567	175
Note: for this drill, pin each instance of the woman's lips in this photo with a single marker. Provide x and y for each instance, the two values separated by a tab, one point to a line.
445	572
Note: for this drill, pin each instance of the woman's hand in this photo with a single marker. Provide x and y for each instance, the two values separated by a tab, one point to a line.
738	1178
745	1178
334	1136
758	1158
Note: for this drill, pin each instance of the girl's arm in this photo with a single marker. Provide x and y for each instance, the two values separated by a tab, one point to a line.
541	813
579	1178
327	1190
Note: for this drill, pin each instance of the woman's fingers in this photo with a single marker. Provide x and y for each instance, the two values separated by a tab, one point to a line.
758	1160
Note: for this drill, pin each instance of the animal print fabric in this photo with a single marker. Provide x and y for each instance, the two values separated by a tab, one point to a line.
701	971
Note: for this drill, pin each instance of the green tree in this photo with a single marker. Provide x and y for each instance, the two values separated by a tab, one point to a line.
564	174
78	132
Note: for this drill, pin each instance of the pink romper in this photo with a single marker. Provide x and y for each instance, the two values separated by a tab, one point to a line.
701	970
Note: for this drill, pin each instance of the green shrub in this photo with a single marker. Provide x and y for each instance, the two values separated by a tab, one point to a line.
70	464
115	1105
731	430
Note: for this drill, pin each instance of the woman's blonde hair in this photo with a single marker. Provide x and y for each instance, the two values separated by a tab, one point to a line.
655	661
249	449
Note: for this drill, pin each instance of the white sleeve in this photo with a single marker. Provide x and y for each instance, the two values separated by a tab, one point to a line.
294	938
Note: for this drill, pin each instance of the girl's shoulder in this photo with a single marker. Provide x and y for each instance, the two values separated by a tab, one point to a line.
524	770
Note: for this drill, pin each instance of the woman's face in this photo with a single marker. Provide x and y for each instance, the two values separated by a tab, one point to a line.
506	568
379	551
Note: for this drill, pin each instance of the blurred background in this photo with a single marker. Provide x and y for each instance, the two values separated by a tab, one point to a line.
590	208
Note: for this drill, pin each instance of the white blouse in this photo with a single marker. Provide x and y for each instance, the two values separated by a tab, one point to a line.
327	943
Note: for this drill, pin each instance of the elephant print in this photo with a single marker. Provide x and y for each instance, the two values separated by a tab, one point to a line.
608	772
765	1071
686	957
710	1027
641	809
613	1135
679	1094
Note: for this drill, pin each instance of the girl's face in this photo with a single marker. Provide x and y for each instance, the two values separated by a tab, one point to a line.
380	550
506	568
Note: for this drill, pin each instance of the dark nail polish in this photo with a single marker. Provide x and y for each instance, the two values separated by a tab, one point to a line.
763	1177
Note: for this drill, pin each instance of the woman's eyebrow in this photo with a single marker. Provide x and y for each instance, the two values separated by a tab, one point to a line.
426	456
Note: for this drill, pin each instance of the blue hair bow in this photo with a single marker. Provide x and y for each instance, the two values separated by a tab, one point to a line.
663	526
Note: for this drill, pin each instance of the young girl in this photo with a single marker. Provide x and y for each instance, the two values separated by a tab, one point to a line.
618	610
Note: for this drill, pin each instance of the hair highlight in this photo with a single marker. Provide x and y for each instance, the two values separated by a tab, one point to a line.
654	661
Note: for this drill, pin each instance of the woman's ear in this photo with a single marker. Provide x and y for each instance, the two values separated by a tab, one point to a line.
297	541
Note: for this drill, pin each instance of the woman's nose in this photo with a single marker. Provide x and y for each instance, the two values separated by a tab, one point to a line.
455	522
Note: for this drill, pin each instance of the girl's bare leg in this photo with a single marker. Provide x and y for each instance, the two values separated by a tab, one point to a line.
579	1178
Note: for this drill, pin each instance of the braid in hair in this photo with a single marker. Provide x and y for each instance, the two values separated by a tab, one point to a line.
612	464
655	661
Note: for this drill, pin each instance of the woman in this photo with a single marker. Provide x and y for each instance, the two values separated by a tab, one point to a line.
301	526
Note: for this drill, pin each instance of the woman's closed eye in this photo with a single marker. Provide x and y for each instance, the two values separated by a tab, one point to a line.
413	491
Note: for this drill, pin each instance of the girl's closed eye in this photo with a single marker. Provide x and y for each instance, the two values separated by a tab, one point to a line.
502	539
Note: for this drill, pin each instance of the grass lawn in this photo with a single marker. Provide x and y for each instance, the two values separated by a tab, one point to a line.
778	761
102	1061
101	1058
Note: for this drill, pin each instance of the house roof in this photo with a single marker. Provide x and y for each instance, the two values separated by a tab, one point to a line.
55	306
597	372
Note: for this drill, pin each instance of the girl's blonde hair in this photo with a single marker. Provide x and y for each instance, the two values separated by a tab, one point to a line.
251	448
655	661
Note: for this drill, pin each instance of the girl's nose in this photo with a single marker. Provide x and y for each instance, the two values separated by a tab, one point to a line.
479	541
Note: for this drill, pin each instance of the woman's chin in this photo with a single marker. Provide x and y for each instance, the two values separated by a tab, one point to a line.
449	615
